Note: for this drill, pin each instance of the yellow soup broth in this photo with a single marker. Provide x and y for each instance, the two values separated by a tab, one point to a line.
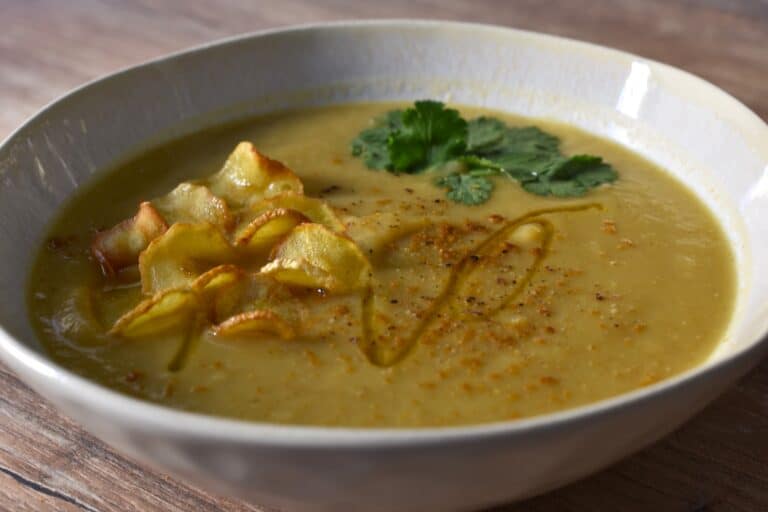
579	299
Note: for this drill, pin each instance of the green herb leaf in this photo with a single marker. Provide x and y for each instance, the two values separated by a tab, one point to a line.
533	157
483	171
573	167
430	135
536	187
465	188
484	134
371	144
572	177
523	153
479	162
593	171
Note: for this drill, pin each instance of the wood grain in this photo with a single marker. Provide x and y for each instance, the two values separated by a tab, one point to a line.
717	462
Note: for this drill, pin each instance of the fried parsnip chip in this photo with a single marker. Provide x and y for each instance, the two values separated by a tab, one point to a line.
315	210
163	311
217	278
268	228
248	176
220	290
120	245
254	292
254	323
181	254
314	256
193	203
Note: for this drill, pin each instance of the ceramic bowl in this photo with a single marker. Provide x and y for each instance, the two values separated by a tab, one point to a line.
696	131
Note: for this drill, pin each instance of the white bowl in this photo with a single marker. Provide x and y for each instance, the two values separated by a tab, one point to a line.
701	134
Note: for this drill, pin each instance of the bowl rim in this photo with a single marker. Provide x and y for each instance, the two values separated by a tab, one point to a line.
162	418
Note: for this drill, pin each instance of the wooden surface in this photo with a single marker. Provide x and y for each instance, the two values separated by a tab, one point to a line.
717	462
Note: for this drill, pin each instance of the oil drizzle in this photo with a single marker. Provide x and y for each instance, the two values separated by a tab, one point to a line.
189	339
384	356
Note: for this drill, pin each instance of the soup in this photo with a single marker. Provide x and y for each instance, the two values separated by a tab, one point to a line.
339	295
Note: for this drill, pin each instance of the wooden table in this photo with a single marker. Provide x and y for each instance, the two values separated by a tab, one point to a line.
717	462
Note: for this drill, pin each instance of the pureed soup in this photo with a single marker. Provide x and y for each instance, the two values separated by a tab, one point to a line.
448	269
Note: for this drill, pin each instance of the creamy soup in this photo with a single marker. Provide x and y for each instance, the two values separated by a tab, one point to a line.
430	311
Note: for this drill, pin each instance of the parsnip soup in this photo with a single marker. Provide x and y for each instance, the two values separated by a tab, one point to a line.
383	265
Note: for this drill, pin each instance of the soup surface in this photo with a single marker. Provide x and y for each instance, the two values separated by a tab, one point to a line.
518	306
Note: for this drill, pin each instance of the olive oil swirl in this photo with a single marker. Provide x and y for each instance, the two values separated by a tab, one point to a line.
385	356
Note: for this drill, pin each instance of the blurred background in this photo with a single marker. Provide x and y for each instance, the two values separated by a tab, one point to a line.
49	46
717	462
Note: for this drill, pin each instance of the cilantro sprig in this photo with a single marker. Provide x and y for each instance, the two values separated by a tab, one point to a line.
466	188
428	135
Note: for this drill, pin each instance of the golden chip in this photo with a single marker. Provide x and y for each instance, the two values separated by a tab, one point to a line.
177	258
262	321
314	256
268	228
162	312
120	246
220	290
314	209
217	278
248	176
193	203
253	292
